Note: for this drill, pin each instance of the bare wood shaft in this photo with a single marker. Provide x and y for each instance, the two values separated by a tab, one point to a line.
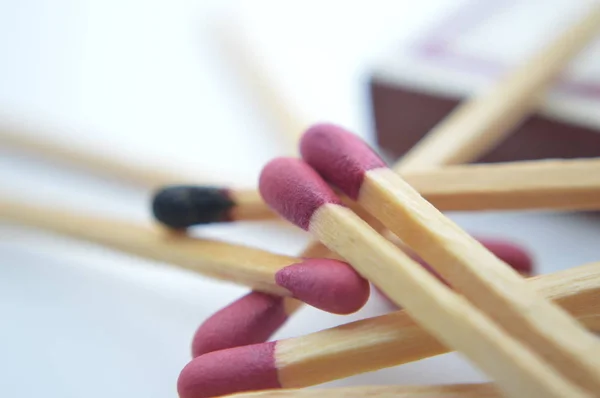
393	339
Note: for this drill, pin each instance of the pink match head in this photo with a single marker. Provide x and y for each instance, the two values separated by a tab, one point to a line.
514	255
248	320
293	189
228	371
341	157
330	285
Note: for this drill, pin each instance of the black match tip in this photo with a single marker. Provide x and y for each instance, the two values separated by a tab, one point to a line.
185	206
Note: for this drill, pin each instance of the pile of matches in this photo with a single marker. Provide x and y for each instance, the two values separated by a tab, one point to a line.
383	225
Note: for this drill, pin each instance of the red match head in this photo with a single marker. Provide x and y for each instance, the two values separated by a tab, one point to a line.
329	285
511	253
249	320
293	189
341	157
228	371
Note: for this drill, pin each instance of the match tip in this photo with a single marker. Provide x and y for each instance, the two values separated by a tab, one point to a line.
342	158
293	189
511	253
251	319
225	372
329	285
185	206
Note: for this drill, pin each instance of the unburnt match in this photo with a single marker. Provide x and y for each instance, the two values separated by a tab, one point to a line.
554	184
327	284
298	193
362	346
250	319
348	163
482	390
254	317
15	137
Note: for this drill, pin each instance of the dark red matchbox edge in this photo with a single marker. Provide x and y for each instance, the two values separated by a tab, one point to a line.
402	116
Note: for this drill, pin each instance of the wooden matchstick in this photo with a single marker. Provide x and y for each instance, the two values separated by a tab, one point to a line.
297	193
480	390
287	120
480	123
254	317
19	139
249	206
347	162
529	185
388	340
326	284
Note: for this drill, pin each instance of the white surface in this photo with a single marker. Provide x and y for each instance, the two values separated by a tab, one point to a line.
144	81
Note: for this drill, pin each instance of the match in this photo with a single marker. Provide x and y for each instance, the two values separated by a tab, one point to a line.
254	317
369	344
564	185
327	284
481	390
299	194
348	163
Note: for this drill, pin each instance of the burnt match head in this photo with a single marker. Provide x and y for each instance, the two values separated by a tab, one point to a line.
183	206
293	189
342	158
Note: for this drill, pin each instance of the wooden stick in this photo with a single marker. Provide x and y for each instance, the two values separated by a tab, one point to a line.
394	339
481	390
484	279
479	124
447	316
287	120
346	161
531	185
235	263
528	185
296	192
254	268
27	141
378	342
249	206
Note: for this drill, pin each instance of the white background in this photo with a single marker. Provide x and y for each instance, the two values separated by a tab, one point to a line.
147	81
